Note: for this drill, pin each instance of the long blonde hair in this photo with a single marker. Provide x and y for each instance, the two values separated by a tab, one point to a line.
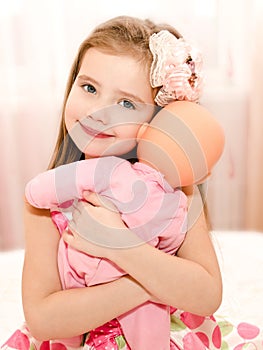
120	36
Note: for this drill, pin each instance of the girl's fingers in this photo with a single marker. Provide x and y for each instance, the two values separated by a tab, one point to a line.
79	208
70	229
99	201
71	233
92	198
75	214
68	237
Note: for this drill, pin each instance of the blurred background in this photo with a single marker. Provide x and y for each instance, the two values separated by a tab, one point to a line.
38	41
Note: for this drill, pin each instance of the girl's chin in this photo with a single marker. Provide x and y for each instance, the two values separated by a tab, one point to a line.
113	150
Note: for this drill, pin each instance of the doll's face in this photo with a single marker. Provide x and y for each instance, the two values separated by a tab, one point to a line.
109	100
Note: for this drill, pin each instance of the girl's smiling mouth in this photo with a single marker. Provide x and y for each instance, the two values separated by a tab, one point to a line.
94	133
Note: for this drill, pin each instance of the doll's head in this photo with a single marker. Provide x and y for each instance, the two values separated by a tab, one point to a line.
183	142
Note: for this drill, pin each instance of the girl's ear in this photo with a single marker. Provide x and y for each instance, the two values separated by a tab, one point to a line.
141	131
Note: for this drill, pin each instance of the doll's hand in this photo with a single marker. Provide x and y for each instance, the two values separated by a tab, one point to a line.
97	228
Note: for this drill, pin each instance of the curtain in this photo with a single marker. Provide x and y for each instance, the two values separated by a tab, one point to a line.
254	195
31	71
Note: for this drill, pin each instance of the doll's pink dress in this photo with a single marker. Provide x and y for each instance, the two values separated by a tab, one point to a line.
148	205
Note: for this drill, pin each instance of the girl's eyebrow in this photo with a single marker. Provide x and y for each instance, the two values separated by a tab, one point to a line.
133	97
87	78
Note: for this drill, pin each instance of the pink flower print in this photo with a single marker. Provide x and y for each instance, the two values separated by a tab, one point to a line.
18	340
247	331
217	337
191	341
45	345
191	320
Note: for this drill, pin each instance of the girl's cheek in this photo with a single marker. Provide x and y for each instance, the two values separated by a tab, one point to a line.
128	131
68	120
72	111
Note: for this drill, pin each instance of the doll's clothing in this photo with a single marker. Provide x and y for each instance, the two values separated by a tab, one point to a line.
148	205
79	270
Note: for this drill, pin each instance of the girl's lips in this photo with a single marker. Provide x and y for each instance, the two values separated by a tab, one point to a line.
94	133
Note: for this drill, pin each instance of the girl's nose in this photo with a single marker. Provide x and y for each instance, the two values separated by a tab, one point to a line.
100	115
102	112
109	114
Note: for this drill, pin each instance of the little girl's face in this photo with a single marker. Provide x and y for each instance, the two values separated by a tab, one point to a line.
109	100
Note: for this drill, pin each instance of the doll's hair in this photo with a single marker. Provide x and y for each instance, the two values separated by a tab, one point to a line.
122	35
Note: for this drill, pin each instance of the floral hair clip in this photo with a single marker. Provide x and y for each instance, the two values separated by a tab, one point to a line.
176	68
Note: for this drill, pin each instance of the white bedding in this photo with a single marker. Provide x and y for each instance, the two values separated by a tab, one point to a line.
241	260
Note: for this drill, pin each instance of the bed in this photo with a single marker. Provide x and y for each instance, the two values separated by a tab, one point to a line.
240	257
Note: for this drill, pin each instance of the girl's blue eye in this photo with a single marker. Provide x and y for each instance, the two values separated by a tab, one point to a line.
90	88
127	104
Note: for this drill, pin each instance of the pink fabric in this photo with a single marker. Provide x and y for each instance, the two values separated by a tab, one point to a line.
147	204
104	337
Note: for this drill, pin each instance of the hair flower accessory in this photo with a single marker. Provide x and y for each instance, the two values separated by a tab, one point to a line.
176	68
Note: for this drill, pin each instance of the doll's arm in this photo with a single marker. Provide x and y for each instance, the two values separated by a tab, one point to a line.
56	186
52	187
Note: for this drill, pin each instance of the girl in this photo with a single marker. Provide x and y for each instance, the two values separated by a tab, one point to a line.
112	68
149	200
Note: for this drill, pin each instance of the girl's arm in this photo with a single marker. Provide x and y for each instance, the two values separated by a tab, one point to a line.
54	313
190	281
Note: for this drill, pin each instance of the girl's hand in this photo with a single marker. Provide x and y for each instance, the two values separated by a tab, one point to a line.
97	228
